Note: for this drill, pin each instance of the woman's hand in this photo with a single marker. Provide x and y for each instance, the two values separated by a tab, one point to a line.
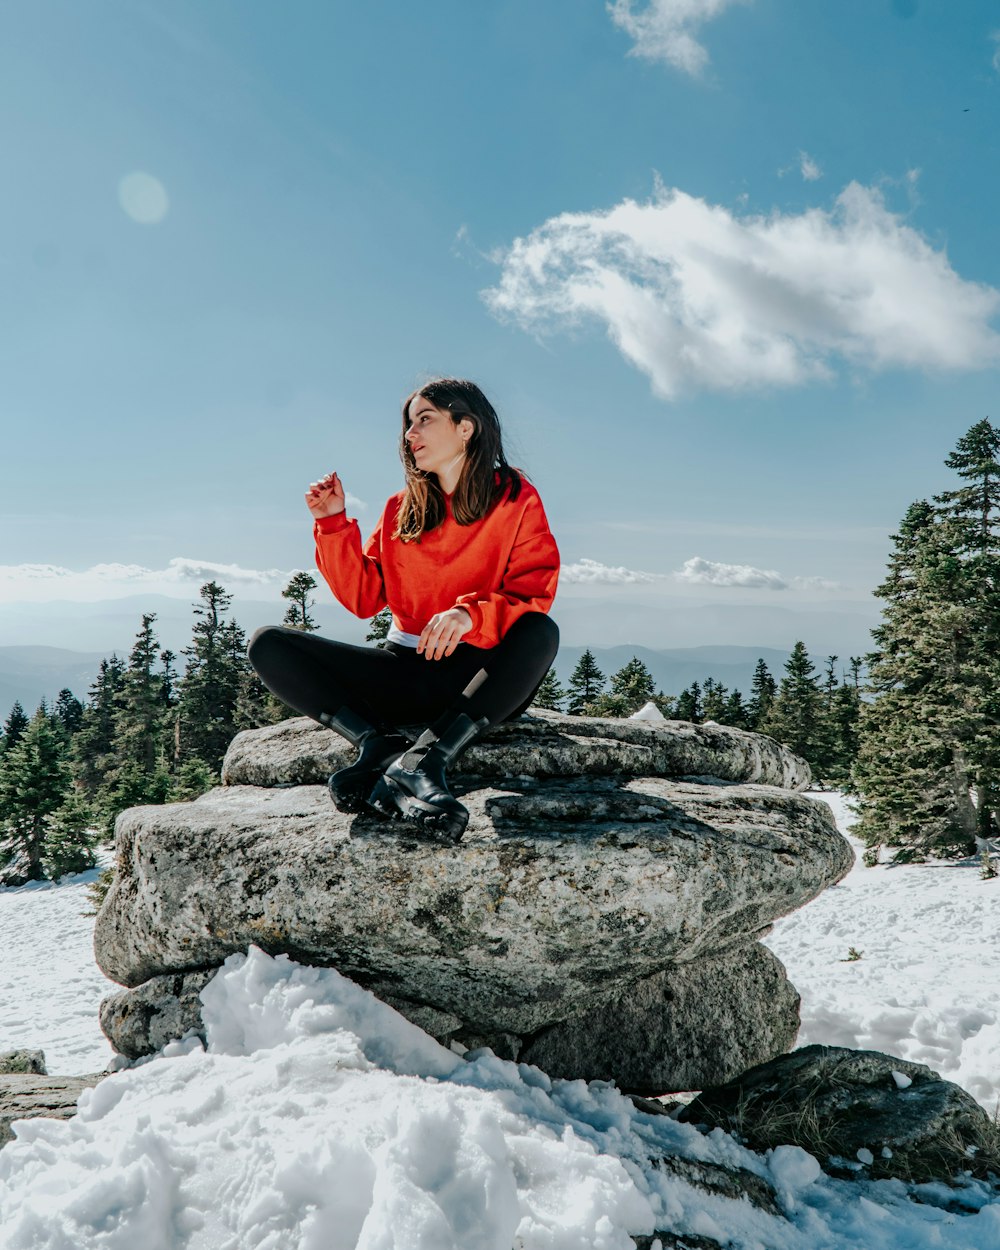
443	632
326	497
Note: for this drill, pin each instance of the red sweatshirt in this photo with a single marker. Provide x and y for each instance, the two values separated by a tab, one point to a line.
497	568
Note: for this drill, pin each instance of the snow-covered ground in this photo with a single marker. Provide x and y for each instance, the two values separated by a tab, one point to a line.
318	1119
927	985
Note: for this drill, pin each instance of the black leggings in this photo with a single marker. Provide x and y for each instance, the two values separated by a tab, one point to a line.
394	686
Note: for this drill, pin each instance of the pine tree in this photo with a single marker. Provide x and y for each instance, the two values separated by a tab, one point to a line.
928	766
297	592
68	712
378	628
211	684
762	692
735	713
585	684
71	837
15	725
142	732
35	781
633	685
549	694
714	700
796	715
689	704
92	745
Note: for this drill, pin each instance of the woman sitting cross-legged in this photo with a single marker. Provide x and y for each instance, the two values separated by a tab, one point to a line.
464	558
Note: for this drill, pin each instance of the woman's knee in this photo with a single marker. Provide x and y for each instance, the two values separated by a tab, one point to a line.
263	640
538	630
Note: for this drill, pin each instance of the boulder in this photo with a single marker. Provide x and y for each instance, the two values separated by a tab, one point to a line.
624	894
656	1035
545	744
22	1061
26	1096
861	1112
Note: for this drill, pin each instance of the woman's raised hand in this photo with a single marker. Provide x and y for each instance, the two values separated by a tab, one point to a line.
326	497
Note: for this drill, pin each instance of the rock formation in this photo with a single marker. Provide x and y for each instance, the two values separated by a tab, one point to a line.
860	1112
600	917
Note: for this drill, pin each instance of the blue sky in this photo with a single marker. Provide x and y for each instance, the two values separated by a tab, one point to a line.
729	272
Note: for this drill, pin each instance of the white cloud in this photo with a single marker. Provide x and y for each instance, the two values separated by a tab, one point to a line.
665	29
592	572
809	169
46	582
700	572
697	296
995	36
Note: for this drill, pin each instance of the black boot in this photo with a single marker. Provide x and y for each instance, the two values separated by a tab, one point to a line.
414	785
350	786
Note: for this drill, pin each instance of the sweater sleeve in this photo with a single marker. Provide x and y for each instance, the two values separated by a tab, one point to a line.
528	583
353	572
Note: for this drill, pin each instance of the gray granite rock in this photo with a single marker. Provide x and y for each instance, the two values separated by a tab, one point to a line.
835	1102
544	744
21	1061
140	1021
679	1029
27	1096
560	895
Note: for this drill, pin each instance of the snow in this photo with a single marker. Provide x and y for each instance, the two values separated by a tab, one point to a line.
648	711
316	1118
927	987
50	986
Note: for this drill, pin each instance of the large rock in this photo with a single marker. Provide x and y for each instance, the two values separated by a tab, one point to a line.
873	1114
568	898
546	744
22	1061
27	1096
656	1035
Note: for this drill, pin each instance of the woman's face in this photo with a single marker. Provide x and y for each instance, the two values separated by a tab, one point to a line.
435	440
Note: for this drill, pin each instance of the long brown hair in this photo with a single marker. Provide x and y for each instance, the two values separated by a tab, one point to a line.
485	476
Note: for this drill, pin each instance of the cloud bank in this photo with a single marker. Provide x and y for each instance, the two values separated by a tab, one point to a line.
665	29
699	572
593	573
46	582
697	296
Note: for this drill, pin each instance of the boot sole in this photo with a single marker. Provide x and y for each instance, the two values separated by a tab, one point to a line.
391	800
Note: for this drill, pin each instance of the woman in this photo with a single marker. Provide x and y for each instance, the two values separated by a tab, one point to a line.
464	558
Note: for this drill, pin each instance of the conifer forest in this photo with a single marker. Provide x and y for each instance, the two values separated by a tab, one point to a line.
912	729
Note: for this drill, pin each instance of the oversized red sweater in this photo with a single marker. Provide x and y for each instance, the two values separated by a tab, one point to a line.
497	568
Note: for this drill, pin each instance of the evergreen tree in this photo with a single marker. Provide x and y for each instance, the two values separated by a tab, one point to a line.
297	592
93	744
585	684
735	713
796	715
633	685
762	692
549	694
71	837
211	684
35	781
378	628
714	698
142	743
68	712
928	759
689	704
15	725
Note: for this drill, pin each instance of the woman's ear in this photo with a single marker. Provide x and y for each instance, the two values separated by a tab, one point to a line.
466	428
